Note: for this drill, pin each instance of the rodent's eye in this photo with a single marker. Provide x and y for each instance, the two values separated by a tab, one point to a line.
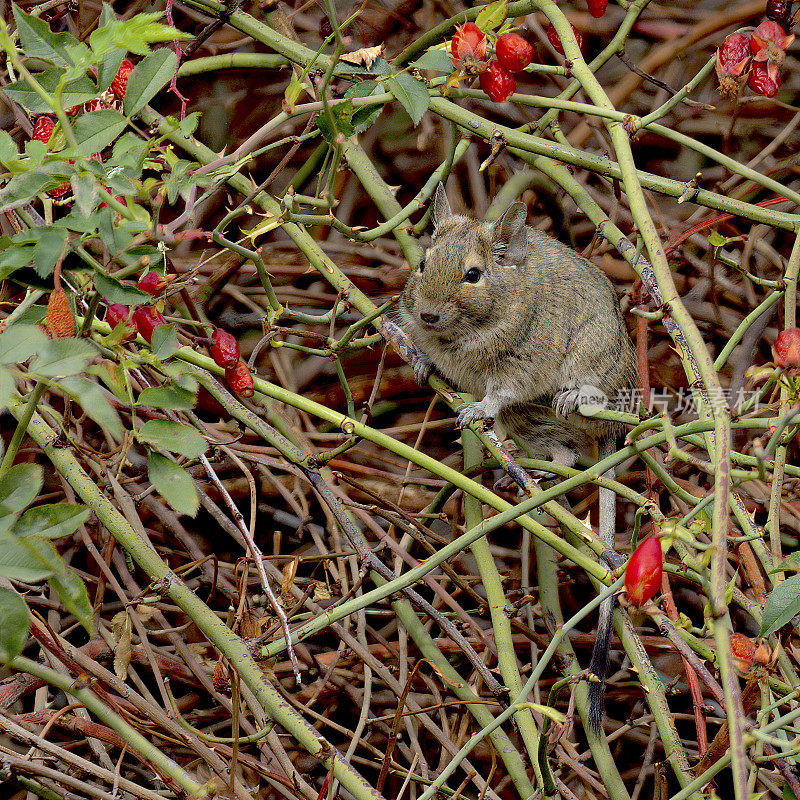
472	275
421	265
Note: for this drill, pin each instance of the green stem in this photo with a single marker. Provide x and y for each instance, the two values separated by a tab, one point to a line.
22	427
496	600
197	66
382	196
741	329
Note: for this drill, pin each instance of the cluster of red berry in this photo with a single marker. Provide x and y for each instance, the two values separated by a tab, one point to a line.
145	319
756	57
512	54
45	124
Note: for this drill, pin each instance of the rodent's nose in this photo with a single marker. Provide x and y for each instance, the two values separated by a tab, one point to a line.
429	319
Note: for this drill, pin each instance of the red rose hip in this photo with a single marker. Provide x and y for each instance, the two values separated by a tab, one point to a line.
733	60
769	43
643	571
787	348
743	648
761	81
116	313
555	39
513	52
597	7
147	319
240	380
120	83
468	41
497	82
154	284
225	349
779	11
43	129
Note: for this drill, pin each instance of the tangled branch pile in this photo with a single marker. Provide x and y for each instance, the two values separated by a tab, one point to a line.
241	551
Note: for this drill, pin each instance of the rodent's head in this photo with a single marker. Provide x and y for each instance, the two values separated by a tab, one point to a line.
469	277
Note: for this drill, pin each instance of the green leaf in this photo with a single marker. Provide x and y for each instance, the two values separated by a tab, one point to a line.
292	94
22	189
107	15
13	258
63	357
178	180
173	483
493	15
411	93
48	250
172	397
789	564
173	436
93	401
21	560
189	123
36	152
343	121
113	291
8	147
51	521
109	67
165	341
71	590
783	603
39	41
15	626
81	57
86	192
20	486
363	118
136	33
148	78
19	342
6	388
131	151
75	92
437	60
97	129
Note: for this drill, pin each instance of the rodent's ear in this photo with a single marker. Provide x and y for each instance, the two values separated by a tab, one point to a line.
509	236
441	208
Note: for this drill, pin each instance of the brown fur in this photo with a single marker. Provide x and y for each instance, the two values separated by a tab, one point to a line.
542	321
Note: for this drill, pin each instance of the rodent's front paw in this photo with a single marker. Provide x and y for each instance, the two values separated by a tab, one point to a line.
568	400
422	366
471	412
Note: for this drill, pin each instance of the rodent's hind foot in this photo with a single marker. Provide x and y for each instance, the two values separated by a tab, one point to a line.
472	412
568	400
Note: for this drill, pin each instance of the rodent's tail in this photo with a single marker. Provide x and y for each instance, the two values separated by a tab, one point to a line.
598	666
